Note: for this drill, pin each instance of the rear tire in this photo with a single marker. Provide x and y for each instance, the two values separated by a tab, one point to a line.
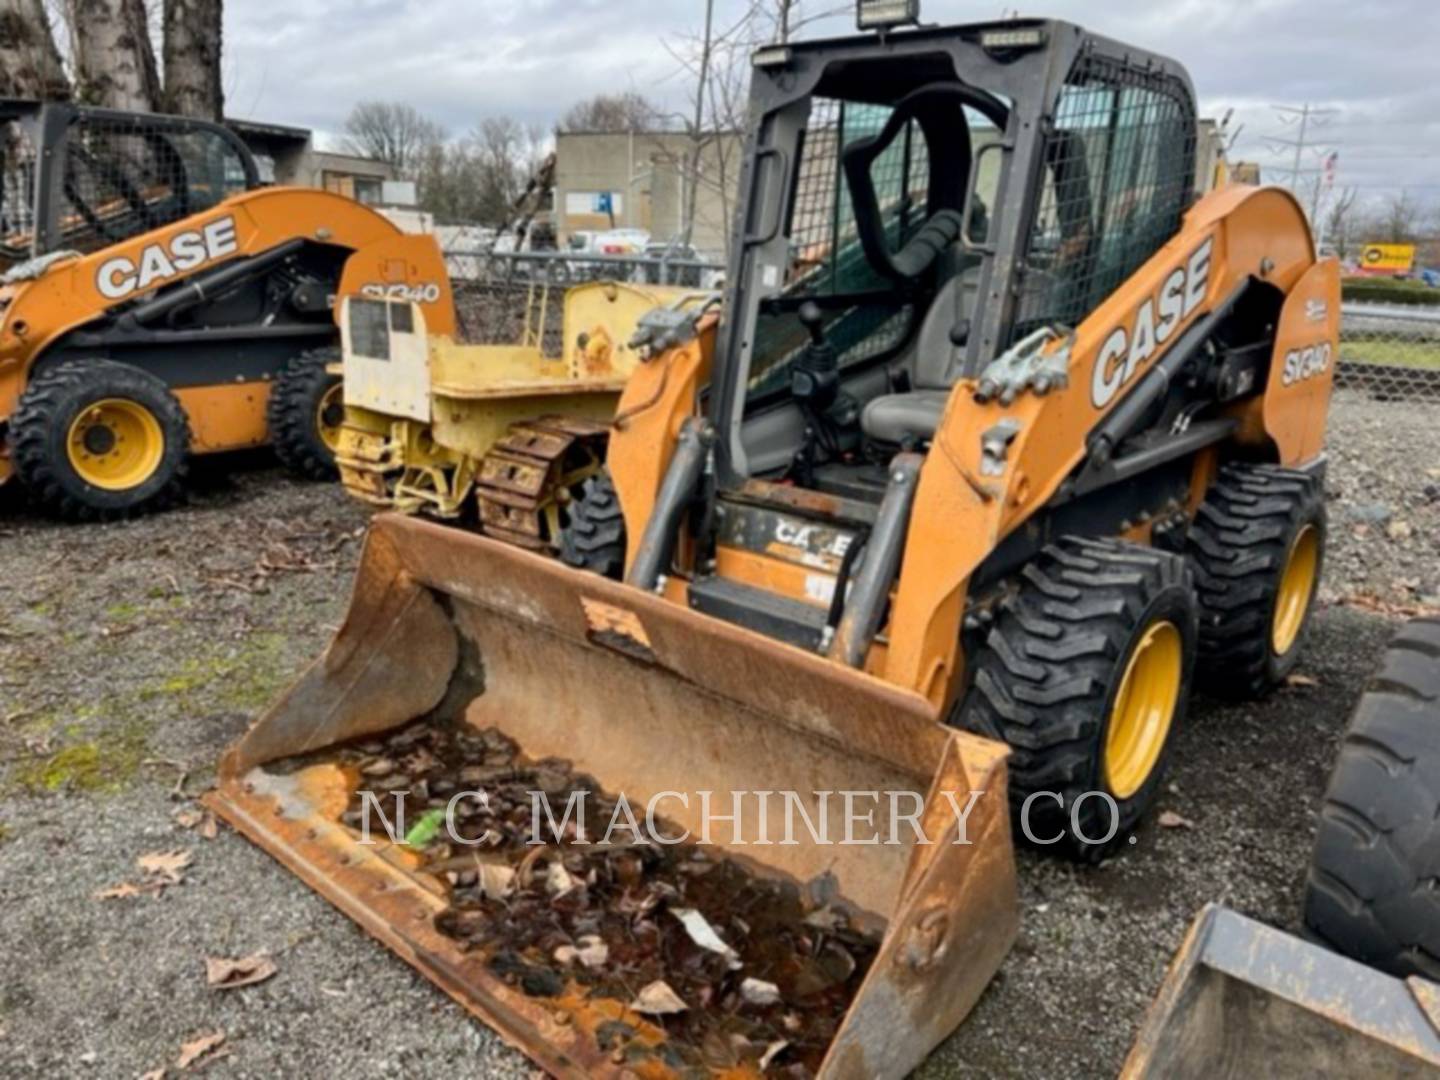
1086	675
305	413
1255	528
595	537
1374	888
95	440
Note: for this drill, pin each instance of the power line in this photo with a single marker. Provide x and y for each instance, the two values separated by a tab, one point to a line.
1302	114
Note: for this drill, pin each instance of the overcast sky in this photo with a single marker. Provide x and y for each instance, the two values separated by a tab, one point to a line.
306	62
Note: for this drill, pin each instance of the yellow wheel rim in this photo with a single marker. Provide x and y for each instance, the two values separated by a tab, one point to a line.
330	416
1297	590
1144	710
115	445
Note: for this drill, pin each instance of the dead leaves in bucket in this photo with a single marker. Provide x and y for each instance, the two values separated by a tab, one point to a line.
739	971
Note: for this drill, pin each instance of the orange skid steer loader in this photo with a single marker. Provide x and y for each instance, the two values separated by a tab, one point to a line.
157	302
1001	437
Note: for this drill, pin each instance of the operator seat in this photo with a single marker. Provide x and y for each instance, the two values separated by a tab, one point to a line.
914	416
934	254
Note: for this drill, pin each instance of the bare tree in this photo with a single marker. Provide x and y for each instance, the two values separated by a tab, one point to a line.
1340	221
30	64
193	39
718	63
611	113
113	57
786	18
392	132
507	154
1399	221
448	179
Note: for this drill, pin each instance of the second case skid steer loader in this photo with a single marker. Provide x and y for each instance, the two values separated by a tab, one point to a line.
157	302
1000	436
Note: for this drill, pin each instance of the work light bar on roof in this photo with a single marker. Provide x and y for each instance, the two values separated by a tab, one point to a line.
884	14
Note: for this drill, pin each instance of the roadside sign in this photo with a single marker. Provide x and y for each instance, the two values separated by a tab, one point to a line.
1390	260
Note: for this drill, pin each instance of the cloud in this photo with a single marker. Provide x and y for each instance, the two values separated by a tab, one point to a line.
308	62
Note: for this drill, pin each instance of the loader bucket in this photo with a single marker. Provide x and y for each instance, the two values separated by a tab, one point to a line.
644	697
1244	1000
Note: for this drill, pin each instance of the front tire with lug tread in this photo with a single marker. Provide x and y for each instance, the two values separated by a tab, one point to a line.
594	539
96	440
1086	675
1373	893
306	410
1258	548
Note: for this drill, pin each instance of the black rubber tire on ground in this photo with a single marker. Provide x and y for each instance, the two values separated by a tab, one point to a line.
1373	892
1047	681
1240	546
294	414
594	539
47	411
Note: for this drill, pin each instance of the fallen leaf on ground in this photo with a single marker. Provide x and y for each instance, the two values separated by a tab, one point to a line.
658	999
496	882
199	1048
154	1074
759	992
197	820
1301	681
704	935
1366	602
825	919
123	891
559	880
167	866
222	974
1171	820
592	953
773	1051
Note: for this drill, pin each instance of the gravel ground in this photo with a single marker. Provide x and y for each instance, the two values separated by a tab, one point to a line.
1385	505
128	652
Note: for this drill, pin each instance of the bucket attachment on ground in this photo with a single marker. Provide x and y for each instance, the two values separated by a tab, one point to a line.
646	698
1245	1000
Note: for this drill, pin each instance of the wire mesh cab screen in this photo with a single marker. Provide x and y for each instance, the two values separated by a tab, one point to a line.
118	177
17	192
1118	174
827	261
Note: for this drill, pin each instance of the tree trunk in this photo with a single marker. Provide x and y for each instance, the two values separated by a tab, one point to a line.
30	64
114	60
192	58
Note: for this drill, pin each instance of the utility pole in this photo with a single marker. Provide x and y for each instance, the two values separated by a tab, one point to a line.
1307	116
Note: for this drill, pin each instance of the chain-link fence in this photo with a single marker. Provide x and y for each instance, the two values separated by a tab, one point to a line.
1387	353
1390	353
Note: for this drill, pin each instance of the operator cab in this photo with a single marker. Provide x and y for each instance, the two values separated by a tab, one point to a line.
913	208
78	179
916	208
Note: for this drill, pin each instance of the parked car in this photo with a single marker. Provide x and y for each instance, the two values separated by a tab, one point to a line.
622	242
681	269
